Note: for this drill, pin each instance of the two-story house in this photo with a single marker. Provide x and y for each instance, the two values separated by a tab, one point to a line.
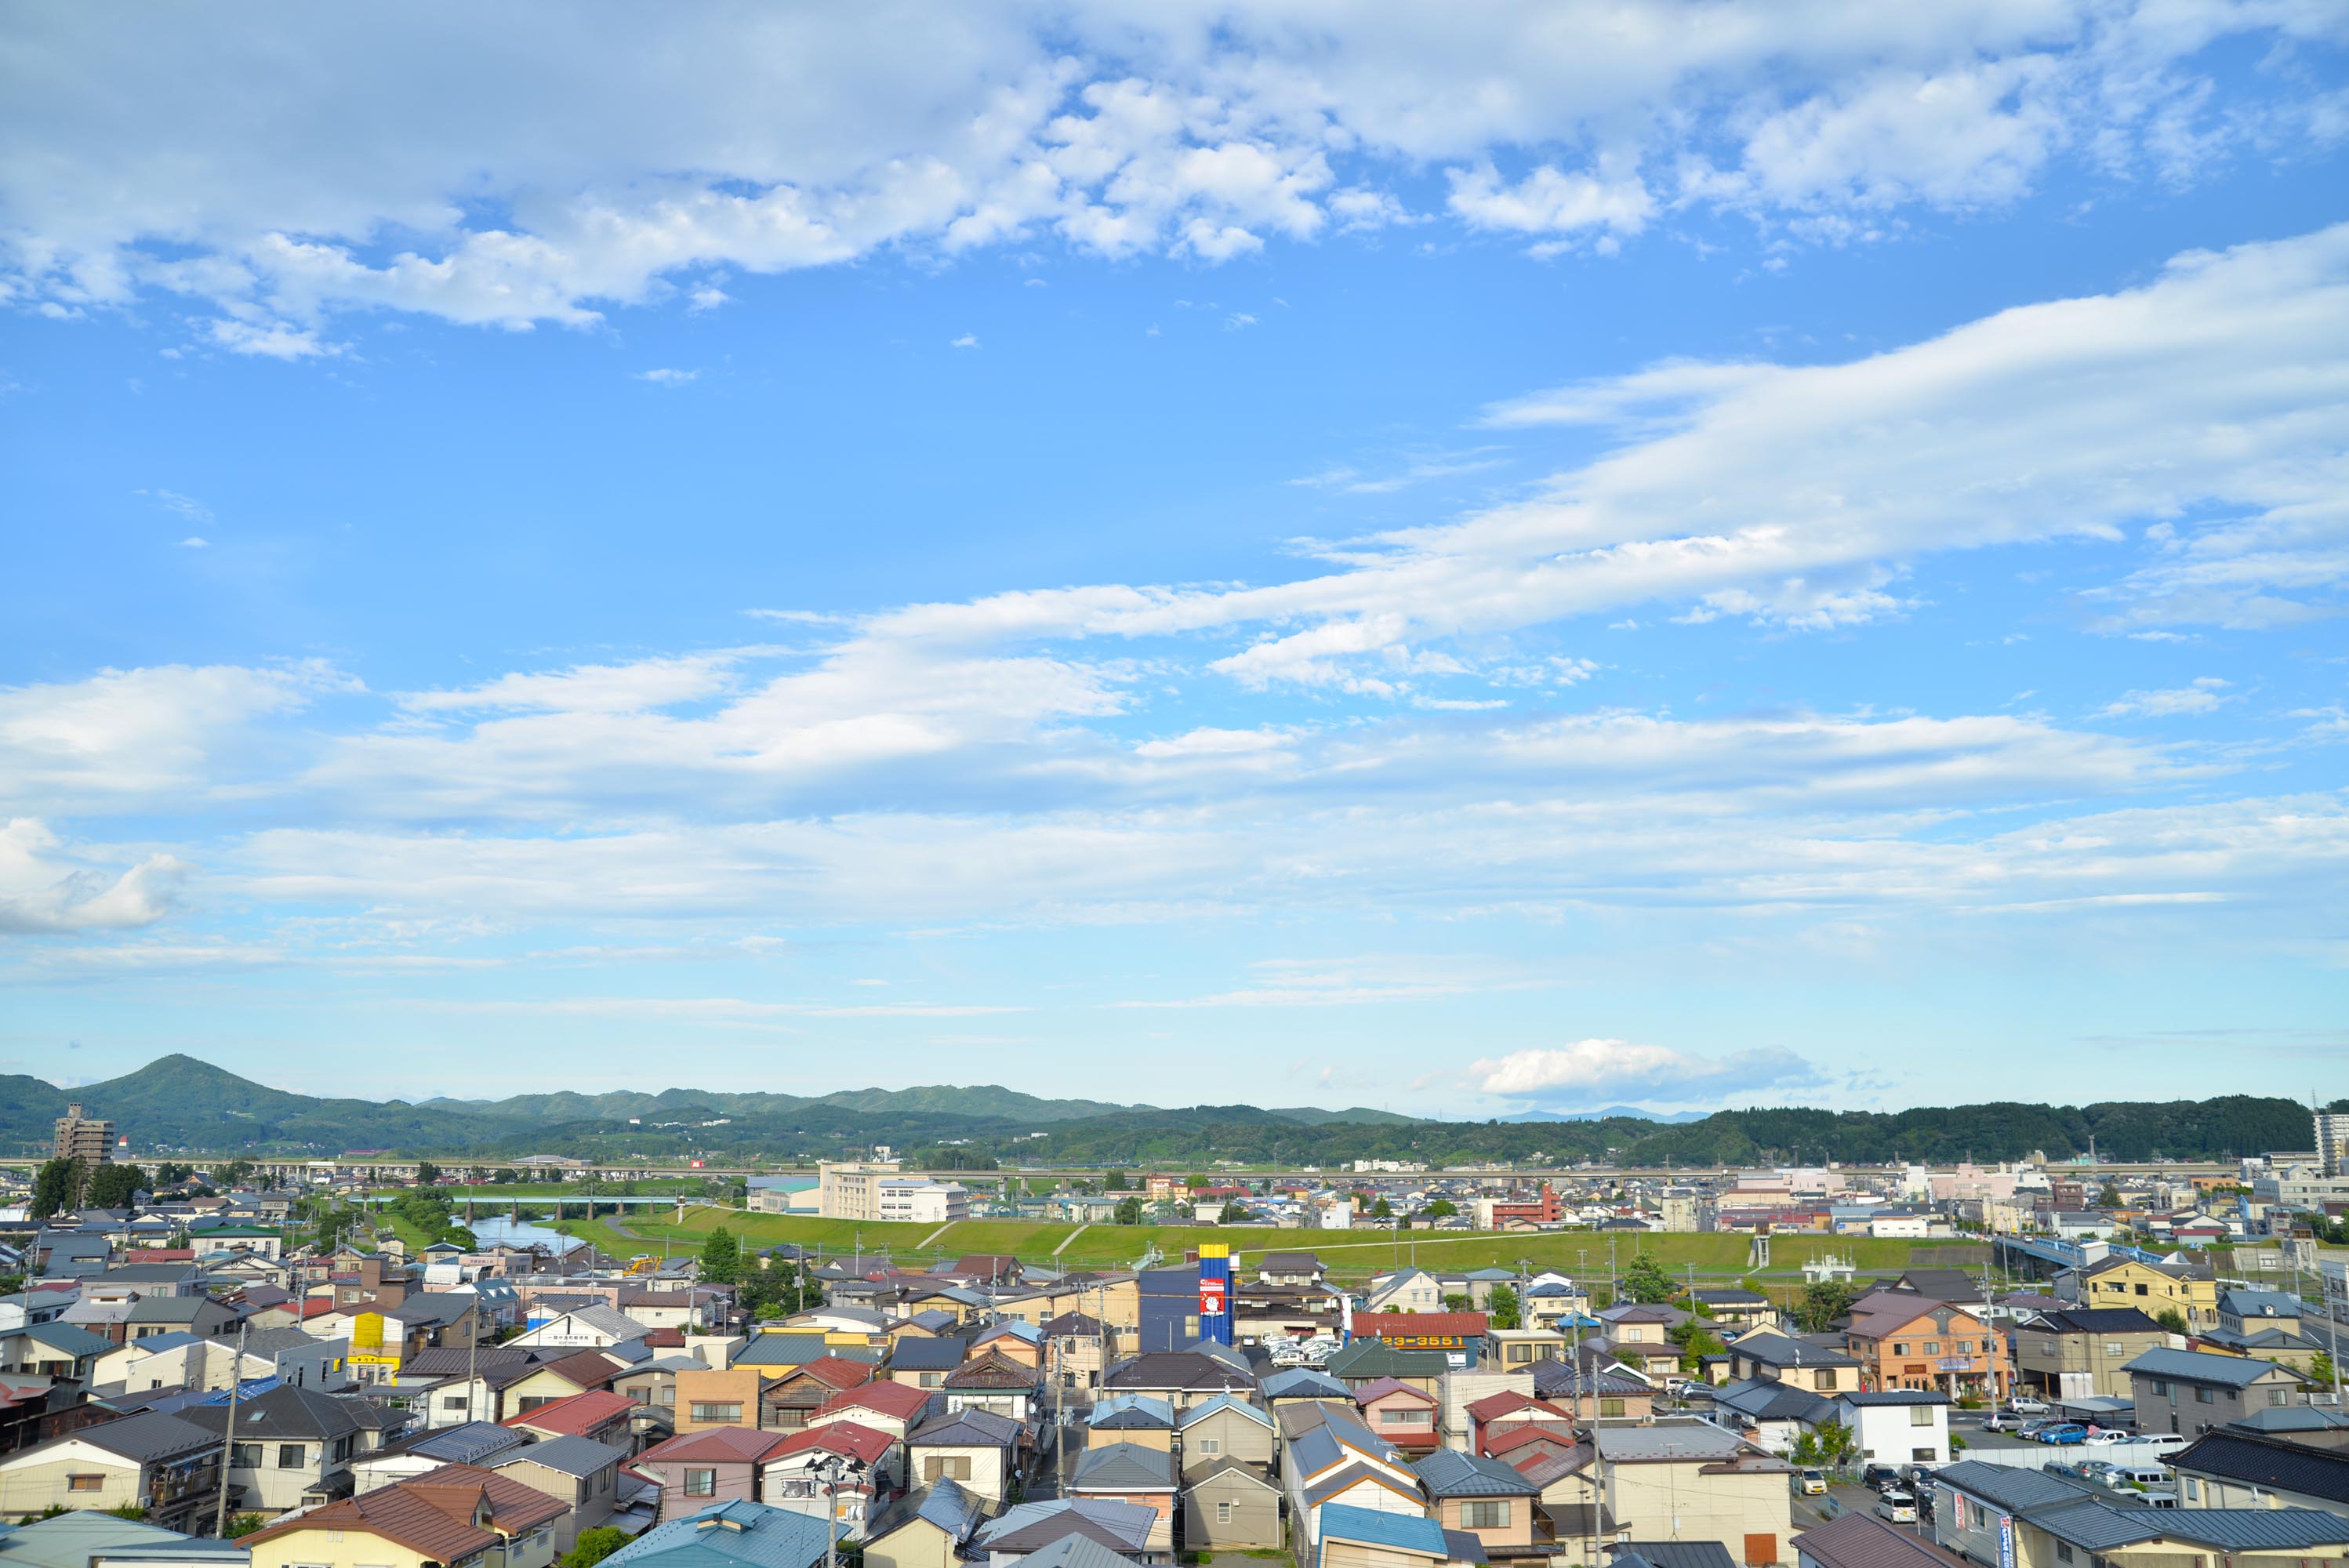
2084	1351
291	1447
2191	1391
1928	1345
458	1516
154	1461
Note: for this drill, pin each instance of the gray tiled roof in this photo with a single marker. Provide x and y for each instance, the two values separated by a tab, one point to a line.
572	1455
1124	1467
145	1437
2269	1462
1448	1472
945	1503
2199	1366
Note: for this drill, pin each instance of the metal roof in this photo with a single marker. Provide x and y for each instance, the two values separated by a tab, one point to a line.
1076	1550
1199	1412
2199	1366
735	1534
944	1504
1124	1467
1448	1472
1858	1540
1679	1553
573	1456
1374	1527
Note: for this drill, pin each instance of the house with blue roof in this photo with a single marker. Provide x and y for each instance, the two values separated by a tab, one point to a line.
1374	1538
734	1534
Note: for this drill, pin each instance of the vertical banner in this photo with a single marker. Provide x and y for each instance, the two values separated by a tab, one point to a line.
1215	1293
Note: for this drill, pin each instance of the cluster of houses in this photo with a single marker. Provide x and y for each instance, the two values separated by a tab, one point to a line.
181	1383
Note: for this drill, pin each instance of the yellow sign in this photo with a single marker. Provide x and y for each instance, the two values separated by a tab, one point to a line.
367	1346
1215	1250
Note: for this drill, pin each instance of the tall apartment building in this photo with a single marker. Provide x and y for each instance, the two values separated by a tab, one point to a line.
79	1138
2333	1141
850	1189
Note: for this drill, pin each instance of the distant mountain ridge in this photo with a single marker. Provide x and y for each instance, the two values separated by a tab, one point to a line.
179	1103
1623	1113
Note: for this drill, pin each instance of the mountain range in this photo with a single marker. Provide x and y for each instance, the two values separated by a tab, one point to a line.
180	1104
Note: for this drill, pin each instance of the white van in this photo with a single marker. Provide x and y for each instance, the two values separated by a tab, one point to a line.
2144	1475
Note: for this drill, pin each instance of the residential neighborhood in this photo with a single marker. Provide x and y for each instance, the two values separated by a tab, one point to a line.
263	1363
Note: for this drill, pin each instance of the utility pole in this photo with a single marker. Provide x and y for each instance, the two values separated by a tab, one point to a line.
228	1436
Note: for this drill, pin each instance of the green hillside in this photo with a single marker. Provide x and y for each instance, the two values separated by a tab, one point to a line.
180	1102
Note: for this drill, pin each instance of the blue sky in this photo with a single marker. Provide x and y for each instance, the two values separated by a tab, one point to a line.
1689	556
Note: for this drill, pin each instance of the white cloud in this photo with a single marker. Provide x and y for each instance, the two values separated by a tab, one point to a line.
1587	1071
188	507
631	159
46	889
2202	697
194	542
127	738
966	340
666	376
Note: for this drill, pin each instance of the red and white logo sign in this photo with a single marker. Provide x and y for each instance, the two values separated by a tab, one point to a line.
1211	1297
696	1165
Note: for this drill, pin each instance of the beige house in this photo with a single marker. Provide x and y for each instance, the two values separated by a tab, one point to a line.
2073	1354
924	1528
454	1517
1693	1481
159	1462
974	1449
1224	1427
1229	1504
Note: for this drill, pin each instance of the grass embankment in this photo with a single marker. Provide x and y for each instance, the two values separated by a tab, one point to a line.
1349	1255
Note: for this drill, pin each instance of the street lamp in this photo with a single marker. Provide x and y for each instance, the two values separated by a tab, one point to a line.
831	1472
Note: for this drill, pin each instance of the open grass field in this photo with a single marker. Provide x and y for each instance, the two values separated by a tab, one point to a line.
1349	1255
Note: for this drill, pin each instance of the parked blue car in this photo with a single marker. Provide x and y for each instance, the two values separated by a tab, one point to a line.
2068	1432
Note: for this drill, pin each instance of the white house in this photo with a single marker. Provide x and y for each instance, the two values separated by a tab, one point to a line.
1897	1426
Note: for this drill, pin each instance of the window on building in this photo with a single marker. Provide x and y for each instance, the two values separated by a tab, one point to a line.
2193	1494
2063	1551
1932	1347
1485	1513
932	1379
1223	1513
1402	1417
452	1401
289	1455
1920	1415
1899	1348
1923	1456
1211	1445
728	1414
2275	1397
245	1456
2205	1397
701	1483
945	1467
1824	1380
1611	1407
85	1483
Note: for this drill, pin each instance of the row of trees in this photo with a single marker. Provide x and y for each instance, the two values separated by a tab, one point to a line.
63	1184
765	1293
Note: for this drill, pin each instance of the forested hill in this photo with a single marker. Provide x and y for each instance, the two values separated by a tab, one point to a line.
183	1103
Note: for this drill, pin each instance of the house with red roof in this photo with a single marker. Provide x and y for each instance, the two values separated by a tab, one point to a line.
1513	1408
720	1465
793	1480
598	1415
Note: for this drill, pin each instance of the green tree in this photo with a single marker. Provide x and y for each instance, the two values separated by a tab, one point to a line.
2169	1317
1129	1213
1235	1214
1822	1303
57	1187
1646	1280
593	1546
171	1173
721	1258
242	1524
230	1175
2321	1369
1454	1301
427	1173
1503	1307
1696	1340
1382	1209
1442	1208
114	1186
132	1510
1831	1443
2109	1195
1115	1181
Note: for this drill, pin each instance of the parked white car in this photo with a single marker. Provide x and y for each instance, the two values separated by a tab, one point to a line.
1899	1507
2025	1404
